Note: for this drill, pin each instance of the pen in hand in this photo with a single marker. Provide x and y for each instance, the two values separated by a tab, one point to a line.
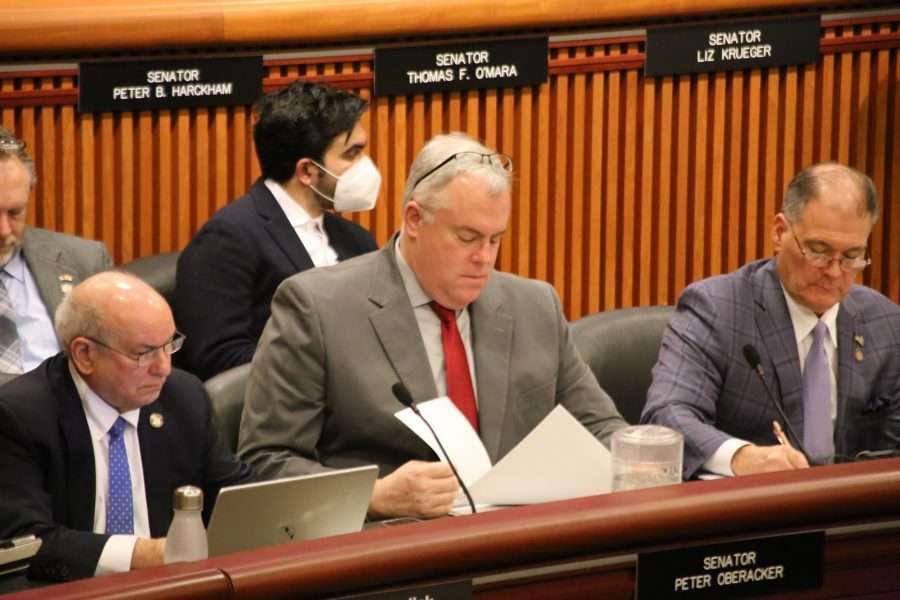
779	434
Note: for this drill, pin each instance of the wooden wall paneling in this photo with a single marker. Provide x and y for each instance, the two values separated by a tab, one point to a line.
125	197
891	191
649	220
540	222
559	196
147	182
663	192
777	143
577	198
631	174
754	129
523	154
682	246
700	193
167	216
200	144
611	198
27	134
507	144
401	159
735	166
184	178
878	154
717	175
87	190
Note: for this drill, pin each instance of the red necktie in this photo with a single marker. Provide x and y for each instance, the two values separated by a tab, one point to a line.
456	365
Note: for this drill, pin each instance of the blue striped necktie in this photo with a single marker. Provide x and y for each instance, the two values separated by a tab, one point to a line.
119	508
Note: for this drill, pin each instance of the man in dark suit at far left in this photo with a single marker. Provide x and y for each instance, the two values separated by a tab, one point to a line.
37	267
95	440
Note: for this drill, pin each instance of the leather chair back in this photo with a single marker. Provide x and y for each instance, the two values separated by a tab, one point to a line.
621	346
158	270
226	393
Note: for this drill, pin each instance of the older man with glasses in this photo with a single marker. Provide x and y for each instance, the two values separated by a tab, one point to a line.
427	311
95	440
786	362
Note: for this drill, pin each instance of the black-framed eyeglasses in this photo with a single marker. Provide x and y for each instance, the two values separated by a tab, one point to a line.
822	260
504	161
144	359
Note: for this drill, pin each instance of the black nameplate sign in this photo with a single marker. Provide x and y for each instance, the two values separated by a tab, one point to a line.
143	85
732	45
477	65
457	590
756	567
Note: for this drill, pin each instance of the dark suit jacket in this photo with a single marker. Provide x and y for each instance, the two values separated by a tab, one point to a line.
228	273
47	464
703	387
319	394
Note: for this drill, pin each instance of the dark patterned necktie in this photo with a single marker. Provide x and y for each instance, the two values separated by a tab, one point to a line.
10	345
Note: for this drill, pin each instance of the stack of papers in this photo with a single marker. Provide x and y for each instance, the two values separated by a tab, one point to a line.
558	460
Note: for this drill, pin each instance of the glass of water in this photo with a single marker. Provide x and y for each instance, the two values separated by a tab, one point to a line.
646	456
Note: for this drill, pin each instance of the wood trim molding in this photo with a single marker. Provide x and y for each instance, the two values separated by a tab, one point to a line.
42	27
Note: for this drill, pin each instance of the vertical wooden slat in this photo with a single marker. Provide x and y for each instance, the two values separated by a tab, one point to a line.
629	188
667	150
147	187
69	158
126	186
577	249
167	216
611	199
700	193
542	186
556	212
717	193
523	158
649	214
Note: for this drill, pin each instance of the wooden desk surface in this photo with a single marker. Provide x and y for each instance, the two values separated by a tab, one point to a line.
561	547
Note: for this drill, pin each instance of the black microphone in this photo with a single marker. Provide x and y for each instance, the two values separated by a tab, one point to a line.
402	394
754	360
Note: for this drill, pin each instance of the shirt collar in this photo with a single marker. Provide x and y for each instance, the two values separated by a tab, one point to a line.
296	214
15	268
100	415
804	319
417	295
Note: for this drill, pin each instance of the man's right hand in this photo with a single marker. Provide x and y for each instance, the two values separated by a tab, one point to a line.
751	459
416	489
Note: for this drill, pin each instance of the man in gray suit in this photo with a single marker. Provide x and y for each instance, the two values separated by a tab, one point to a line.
37	267
320	391
829	349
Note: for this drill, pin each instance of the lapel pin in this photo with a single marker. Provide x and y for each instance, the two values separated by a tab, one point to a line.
860	340
65	288
66	277
858	355
156	420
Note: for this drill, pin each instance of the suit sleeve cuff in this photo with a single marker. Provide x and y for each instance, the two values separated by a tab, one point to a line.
720	462
116	555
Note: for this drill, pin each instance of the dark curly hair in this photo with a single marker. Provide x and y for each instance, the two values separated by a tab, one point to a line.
300	121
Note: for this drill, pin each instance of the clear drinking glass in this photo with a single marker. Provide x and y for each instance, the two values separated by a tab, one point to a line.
646	456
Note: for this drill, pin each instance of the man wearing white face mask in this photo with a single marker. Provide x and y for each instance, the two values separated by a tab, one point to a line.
311	150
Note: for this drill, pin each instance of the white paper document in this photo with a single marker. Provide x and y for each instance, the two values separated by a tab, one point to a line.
558	460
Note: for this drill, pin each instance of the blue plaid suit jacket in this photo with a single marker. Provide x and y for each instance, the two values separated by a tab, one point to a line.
703	387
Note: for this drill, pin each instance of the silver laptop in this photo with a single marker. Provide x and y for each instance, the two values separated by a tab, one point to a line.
260	514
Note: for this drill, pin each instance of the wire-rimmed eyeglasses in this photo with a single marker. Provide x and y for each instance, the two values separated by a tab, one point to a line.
822	260
8	144
144	359
504	161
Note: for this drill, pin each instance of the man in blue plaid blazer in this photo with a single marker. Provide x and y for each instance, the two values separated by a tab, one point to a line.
702	383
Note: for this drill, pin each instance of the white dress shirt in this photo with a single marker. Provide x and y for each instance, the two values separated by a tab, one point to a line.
803	320
116	555
310	231
430	328
36	333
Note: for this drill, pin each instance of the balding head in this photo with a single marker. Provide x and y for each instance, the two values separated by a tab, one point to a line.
117	331
102	305
838	186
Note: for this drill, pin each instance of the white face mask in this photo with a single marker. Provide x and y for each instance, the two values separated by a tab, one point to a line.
357	189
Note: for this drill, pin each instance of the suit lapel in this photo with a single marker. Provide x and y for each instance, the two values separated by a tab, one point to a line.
46	264
393	320
77	447
491	347
153	441
340	243
848	328
278	227
777	333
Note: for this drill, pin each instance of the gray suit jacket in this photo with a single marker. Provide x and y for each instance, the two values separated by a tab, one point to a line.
703	387
319	394
59	261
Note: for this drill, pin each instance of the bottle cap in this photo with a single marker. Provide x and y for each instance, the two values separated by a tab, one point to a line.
188	497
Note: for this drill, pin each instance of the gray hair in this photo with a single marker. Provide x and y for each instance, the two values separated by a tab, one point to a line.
812	183
11	146
438	149
76	318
